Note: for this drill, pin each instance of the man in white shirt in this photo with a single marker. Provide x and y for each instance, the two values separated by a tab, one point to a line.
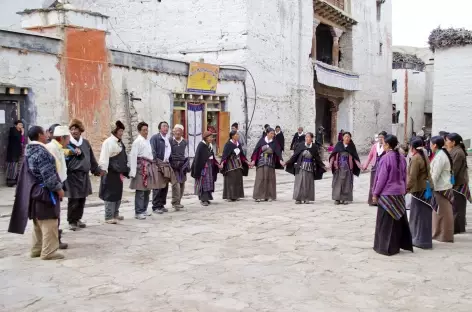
59	139
161	150
114	162
140	161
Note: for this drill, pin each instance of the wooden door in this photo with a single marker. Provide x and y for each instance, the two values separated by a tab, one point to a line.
223	131
9	111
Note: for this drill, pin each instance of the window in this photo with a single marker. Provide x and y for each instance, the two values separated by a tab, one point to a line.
379	9
380	48
394	86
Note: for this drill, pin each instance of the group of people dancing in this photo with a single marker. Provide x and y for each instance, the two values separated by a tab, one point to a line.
438	188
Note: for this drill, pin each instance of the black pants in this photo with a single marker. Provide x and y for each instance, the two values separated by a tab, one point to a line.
141	201
75	209
159	198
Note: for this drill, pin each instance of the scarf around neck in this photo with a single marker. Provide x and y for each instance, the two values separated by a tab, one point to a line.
75	142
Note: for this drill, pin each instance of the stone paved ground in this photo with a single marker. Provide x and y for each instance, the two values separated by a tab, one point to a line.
239	256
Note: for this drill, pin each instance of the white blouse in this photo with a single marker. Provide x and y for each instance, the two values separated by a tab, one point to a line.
141	148
110	148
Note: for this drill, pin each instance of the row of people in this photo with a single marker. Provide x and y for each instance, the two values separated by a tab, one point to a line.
439	193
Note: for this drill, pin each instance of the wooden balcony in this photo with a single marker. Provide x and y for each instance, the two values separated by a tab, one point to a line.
333	13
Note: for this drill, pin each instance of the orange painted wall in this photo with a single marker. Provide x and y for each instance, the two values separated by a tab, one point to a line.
87	82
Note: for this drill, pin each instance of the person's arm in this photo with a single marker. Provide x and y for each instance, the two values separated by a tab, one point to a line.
380	178
104	156
94	168
154	145
413	172
133	159
49	174
293	142
457	160
369	159
436	165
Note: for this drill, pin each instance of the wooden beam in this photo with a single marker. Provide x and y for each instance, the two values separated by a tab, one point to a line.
328	22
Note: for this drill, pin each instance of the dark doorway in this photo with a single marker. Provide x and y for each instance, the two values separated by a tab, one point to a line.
11	109
323	117
324	44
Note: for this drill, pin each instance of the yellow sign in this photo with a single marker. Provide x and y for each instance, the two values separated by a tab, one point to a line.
202	78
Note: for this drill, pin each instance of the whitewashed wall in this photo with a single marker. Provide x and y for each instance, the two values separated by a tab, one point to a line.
452	110
44	83
416	98
156	94
371	108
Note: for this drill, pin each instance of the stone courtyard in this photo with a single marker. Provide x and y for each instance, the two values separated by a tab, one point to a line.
242	256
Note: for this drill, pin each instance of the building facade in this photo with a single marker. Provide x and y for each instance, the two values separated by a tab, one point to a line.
314	63
412	79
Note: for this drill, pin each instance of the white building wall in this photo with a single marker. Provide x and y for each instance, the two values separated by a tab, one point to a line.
371	108
452	109
156	94
44	83
429	88
416	99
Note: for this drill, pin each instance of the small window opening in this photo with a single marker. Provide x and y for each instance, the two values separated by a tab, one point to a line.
380	48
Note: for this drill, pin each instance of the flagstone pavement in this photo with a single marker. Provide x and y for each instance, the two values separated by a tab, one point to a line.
241	256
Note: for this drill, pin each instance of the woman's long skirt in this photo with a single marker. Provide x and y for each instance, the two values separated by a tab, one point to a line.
205	185
265	184
372	178
460	204
391	235
304	186
443	220
421	223
343	185
233	187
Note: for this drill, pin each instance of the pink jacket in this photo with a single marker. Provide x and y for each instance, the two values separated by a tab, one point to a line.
372	156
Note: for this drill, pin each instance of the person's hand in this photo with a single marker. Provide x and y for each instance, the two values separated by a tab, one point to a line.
61	194
282	163
252	163
220	166
375	199
78	151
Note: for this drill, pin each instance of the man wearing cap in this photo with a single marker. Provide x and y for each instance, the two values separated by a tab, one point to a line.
180	164
161	151
59	138
114	161
79	164
142	174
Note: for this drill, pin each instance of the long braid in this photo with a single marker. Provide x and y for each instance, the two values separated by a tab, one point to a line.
449	157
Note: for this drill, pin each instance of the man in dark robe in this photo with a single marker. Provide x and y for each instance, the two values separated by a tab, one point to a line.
298	138
78	185
38	197
114	161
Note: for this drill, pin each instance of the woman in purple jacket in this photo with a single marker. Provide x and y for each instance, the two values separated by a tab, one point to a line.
392	231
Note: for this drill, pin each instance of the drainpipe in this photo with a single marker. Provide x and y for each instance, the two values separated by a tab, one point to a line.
300	55
405	106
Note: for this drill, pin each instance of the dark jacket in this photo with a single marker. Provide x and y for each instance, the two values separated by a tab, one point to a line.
228	151
33	199
256	154
293	164
459	164
418	174
158	146
297	138
78	183
279	137
202	155
15	147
